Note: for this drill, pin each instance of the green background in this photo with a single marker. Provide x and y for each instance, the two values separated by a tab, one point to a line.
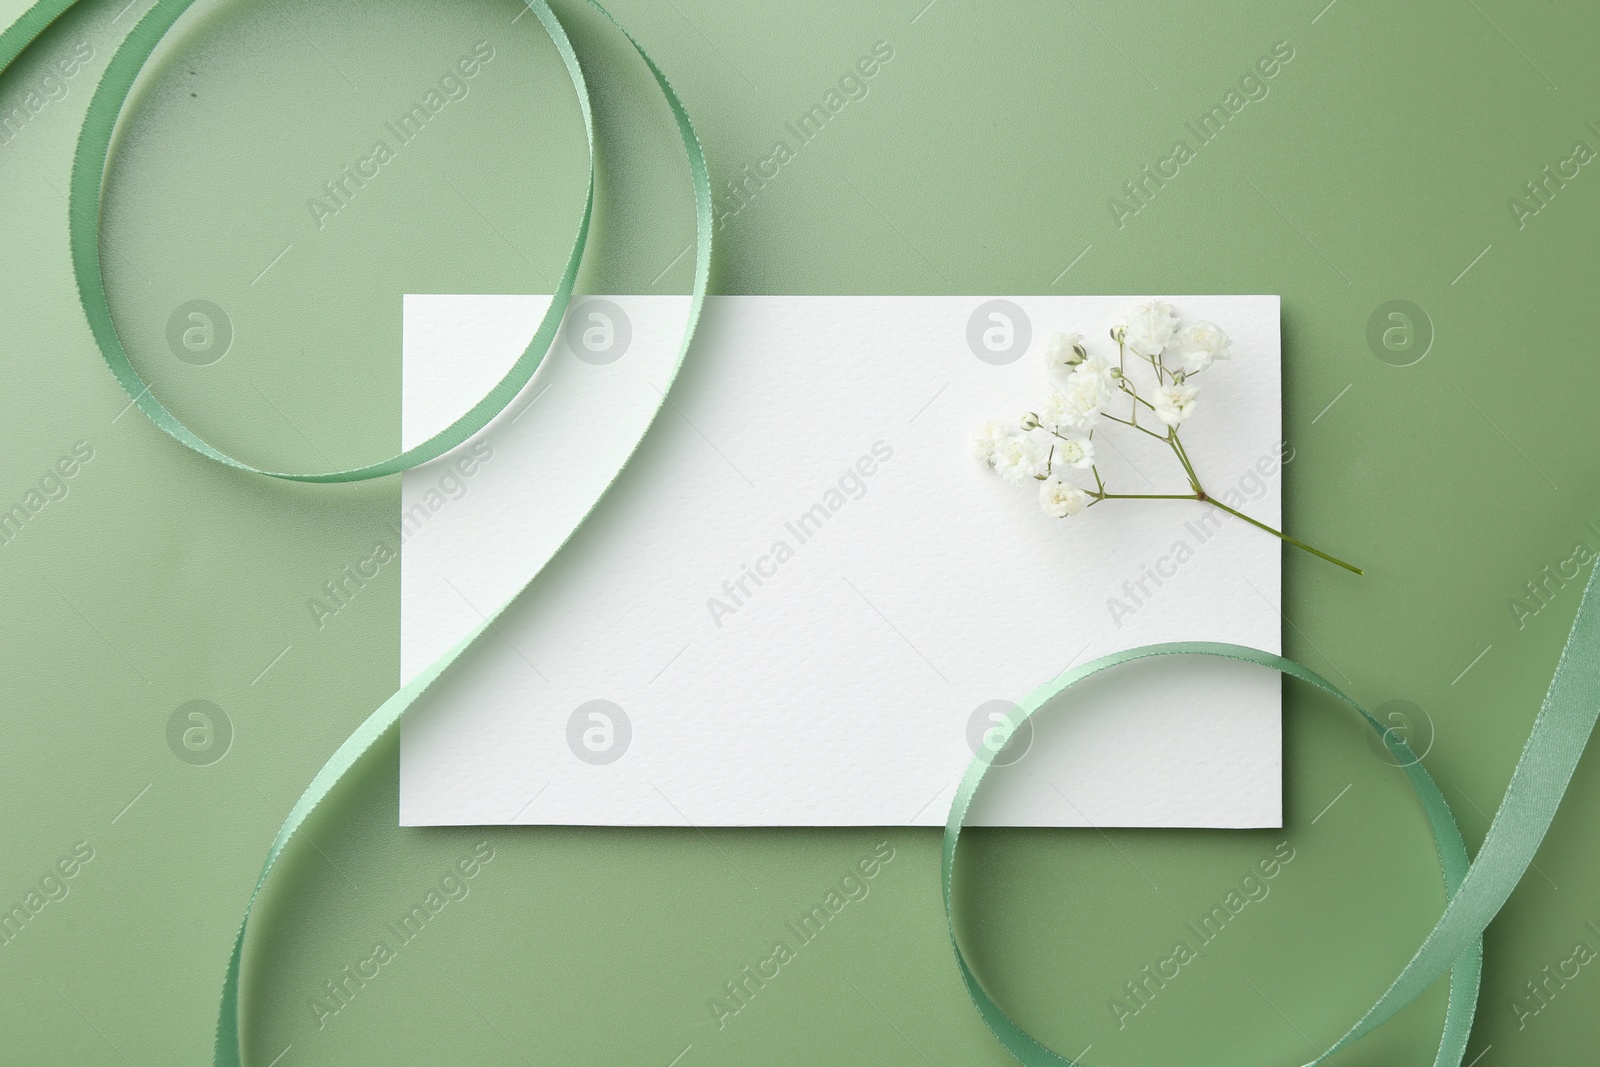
1377	168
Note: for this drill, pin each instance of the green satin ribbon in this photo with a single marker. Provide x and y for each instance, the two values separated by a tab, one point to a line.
1475	891
1452	850
88	170
87	178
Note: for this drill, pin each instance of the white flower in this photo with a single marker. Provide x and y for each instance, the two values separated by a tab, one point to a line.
1062	412
1150	327
1054	414
987	437
1083	397
1061	352
1064	415
1074	452
1095	374
1018	458
1174	403
1058	499
1197	346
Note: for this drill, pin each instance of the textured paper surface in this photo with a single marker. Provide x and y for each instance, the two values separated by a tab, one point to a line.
850	685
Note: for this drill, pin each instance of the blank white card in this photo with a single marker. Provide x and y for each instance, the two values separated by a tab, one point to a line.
804	603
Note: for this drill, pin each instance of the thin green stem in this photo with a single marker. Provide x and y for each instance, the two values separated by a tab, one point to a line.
1280	534
1155	364
1183	458
1152	496
1134	425
1184	452
1131	391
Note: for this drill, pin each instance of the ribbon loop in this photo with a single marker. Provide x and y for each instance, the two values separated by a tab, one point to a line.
1475	890
1453	863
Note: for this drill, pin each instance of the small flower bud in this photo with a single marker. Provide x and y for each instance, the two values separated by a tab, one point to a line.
1030	421
1118	333
1081	352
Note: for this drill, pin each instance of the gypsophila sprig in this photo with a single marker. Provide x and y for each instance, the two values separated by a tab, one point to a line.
1149	388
